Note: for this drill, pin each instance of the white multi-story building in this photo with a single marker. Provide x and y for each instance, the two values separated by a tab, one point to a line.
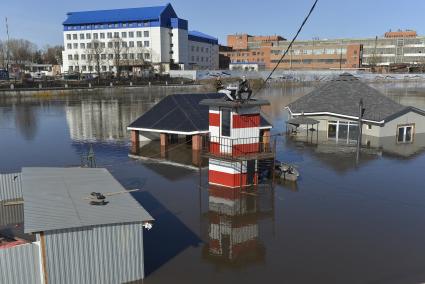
127	39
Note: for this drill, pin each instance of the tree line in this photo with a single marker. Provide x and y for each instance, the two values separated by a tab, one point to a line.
22	51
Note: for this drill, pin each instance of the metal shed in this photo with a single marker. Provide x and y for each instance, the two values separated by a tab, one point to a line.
83	243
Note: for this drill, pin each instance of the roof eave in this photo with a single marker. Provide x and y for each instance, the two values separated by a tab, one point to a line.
334	114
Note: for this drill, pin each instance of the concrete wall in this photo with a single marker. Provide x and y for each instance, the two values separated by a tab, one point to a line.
97	254
20	264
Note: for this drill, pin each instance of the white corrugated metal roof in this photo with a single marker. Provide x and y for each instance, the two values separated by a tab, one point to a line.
55	199
10	186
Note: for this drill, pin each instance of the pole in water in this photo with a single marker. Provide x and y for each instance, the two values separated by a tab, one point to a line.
360	130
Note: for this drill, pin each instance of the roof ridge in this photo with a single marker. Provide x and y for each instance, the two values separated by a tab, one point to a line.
184	112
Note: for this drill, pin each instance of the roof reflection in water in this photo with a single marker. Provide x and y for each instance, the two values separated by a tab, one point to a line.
234	216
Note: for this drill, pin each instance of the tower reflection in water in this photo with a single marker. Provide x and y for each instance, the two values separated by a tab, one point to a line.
234	216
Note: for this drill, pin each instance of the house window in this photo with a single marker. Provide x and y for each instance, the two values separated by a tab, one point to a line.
369	126
405	133
345	131
225	122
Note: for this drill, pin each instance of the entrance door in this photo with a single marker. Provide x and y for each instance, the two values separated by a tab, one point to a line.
250	171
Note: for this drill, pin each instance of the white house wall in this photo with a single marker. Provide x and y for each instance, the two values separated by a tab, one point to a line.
390	128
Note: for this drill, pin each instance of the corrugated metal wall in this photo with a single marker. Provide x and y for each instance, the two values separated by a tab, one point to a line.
10	186
20	264
11	214
98	254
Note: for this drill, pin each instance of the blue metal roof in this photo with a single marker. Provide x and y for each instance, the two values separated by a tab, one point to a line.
119	15
198	36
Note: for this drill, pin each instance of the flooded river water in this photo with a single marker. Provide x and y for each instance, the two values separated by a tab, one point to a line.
342	223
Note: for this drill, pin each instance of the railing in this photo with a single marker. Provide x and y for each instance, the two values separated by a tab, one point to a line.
236	148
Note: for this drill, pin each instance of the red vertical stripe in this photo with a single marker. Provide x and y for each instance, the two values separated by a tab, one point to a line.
214	119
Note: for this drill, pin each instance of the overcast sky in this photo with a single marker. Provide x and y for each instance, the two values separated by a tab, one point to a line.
41	21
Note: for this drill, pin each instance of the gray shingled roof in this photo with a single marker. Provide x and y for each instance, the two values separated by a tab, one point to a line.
342	96
54	198
181	113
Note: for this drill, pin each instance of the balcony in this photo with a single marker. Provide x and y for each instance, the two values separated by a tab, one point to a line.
240	149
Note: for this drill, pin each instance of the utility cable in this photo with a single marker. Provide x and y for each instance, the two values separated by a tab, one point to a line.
290	45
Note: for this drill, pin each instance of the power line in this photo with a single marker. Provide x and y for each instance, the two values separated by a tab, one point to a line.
290	44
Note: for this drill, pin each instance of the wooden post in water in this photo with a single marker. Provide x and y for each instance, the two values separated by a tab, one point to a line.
359	137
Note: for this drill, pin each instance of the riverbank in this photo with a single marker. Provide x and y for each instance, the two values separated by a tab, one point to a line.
48	92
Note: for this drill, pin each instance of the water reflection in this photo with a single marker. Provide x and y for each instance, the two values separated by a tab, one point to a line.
26	121
234	225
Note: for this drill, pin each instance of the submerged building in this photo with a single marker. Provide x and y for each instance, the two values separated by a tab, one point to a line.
65	234
334	107
131	39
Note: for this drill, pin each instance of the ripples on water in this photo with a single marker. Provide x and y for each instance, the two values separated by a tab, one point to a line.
341	223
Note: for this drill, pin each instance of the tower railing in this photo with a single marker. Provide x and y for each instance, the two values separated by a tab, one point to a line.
237	148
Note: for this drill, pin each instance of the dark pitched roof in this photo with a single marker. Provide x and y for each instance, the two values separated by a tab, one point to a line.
342	96
180	113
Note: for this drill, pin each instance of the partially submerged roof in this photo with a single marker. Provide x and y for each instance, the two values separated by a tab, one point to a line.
55	198
181	114
341	96
302	120
118	15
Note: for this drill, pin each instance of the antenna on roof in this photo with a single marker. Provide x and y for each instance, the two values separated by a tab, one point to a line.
89	160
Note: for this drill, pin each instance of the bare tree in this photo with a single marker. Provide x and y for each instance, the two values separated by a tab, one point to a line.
2	54
118	49
96	50
52	55
21	50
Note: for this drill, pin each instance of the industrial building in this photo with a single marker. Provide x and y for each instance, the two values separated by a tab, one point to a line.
393	49
66	234
131	39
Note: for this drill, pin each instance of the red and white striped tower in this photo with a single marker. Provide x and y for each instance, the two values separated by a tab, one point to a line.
234	142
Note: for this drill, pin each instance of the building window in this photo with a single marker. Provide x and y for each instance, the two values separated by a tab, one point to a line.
197	49
139	34
124	56
146	33
74	36
124	25
102	35
405	133
84	68
147	56
345	131
131	43
69	57
69	46
193	58
139	44
116	34
88	36
91	68
95	36
109	35
202	49
116	25
131	55
110	44
89	45
75	45
146	43
68	36
225	122
103	56
123	34
75	56
71	68
83	57
102	45
116	44
124	44
130	34
193	48
110	56
104	68
82	45
81	36
369	126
